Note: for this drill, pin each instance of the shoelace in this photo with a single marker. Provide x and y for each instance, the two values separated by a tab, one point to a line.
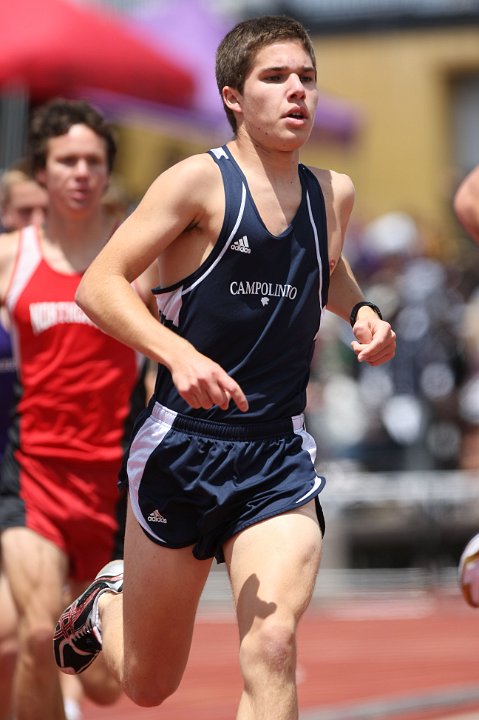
87	629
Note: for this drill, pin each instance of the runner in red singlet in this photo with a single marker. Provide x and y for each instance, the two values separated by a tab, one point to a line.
58	480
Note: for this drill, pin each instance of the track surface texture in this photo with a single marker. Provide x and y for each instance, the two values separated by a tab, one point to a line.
401	656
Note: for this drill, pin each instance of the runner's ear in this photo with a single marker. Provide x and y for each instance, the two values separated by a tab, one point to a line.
232	98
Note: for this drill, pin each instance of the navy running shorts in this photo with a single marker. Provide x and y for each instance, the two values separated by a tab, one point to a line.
197	482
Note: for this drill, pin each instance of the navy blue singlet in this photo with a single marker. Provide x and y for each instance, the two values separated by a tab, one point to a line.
254	306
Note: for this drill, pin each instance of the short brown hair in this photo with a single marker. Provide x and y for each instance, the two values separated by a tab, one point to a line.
237	51
55	118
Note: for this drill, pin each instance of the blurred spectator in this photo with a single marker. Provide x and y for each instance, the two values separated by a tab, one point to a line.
405	416
466	208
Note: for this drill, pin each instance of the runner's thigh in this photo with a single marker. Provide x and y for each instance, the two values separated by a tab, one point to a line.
36	570
8	613
273	566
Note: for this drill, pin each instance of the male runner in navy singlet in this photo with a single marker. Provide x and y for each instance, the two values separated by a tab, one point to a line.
249	248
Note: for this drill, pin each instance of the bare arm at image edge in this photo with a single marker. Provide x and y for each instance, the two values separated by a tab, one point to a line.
466	203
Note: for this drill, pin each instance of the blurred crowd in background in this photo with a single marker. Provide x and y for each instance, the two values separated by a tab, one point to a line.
421	411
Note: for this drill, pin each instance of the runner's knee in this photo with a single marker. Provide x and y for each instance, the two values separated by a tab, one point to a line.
148	691
8	656
272	647
37	642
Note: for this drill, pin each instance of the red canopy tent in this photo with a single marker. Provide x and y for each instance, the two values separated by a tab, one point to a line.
53	47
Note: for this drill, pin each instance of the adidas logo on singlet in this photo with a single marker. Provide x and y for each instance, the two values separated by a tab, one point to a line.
241	245
156	516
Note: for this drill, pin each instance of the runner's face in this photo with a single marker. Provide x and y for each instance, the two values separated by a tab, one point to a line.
280	96
76	171
27	205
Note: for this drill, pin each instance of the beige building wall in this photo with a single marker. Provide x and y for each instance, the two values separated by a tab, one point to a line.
401	82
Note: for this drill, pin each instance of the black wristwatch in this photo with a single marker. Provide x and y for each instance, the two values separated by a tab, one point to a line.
358	306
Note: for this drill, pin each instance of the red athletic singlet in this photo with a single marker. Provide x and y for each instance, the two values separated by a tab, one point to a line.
76	387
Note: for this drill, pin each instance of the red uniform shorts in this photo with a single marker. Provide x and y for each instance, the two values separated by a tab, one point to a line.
75	505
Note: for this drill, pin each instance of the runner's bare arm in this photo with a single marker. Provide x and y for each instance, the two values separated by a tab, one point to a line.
375	340
176	201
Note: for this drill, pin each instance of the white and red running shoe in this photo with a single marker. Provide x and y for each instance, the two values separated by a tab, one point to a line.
77	638
469	572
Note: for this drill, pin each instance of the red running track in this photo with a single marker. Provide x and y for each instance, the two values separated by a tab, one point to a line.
351	656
